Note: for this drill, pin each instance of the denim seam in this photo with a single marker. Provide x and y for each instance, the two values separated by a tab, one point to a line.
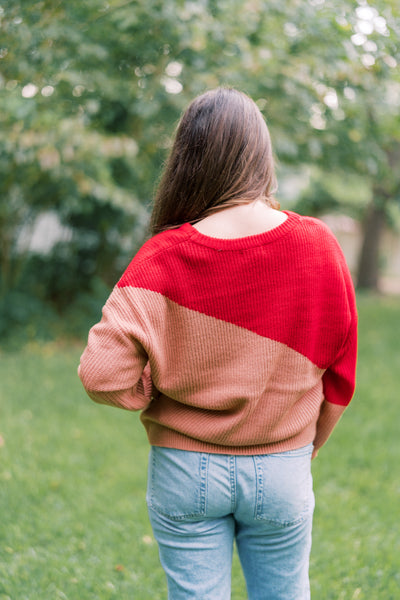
204	460
259	486
232	479
283	524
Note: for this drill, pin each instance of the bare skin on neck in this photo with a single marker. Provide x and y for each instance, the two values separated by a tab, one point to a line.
241	220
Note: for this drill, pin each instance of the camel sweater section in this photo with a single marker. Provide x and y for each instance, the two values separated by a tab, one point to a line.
233	346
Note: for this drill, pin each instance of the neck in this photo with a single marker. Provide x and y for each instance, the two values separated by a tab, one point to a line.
241	220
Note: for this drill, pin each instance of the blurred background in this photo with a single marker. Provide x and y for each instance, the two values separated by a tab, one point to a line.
90	95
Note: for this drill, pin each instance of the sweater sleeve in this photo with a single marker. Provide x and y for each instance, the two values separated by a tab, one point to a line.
114	367
340	377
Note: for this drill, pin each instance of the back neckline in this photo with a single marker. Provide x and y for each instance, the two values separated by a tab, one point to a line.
250	241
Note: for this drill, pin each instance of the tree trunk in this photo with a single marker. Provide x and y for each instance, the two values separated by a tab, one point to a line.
369	262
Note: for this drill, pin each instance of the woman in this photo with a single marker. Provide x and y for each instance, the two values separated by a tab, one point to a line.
233	330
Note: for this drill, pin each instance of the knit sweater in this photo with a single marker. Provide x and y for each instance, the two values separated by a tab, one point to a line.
233	346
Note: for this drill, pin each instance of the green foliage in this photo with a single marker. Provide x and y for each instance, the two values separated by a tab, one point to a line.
73	475
334	193
90	93
26	313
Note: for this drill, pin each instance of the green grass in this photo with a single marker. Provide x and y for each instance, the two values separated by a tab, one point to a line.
73	519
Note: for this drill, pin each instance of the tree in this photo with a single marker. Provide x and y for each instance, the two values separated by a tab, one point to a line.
91	93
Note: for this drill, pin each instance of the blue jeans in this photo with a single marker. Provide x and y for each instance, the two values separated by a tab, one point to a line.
199	503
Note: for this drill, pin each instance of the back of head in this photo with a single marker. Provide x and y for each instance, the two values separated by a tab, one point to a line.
221	156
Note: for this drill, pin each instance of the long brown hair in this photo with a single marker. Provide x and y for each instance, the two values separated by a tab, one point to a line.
221	156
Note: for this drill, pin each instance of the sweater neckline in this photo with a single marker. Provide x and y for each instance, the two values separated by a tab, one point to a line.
241	243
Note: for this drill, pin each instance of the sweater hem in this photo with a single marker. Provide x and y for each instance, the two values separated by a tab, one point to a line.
167	438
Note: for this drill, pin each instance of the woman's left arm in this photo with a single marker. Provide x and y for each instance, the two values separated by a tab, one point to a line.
114	367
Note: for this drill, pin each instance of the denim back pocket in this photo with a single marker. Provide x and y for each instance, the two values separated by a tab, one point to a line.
177	483
284	487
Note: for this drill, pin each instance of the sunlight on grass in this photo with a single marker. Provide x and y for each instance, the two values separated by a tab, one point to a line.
73	474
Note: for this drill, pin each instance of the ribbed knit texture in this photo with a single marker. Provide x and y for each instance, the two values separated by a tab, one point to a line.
243	346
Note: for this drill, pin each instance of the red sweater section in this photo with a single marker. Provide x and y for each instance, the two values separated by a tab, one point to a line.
290	285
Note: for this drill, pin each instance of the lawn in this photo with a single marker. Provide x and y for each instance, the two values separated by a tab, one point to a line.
72	483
